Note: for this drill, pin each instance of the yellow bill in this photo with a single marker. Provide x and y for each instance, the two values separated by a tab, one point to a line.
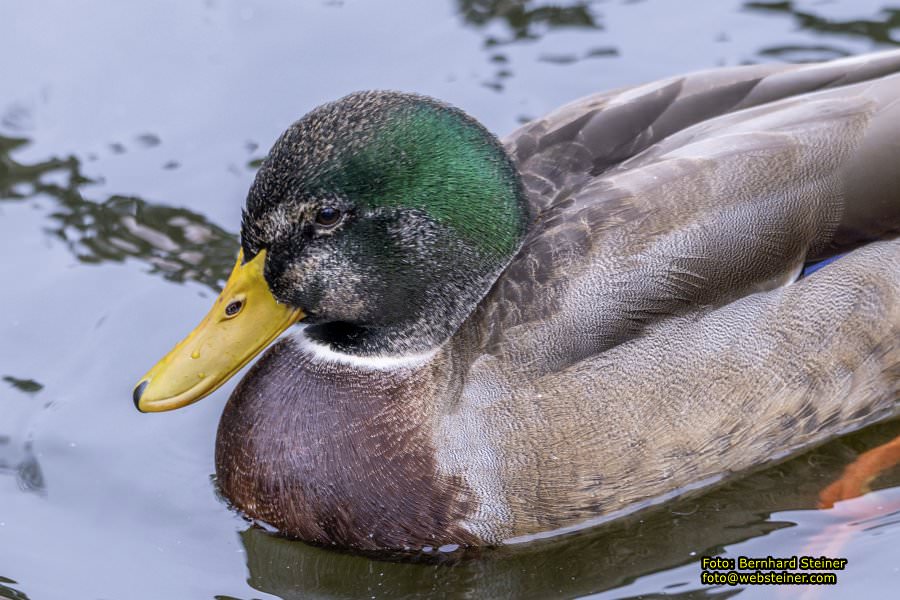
243	321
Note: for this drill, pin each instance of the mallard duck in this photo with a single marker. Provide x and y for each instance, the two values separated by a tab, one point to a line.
609	308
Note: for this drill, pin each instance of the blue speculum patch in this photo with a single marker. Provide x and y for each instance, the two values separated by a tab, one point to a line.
810	268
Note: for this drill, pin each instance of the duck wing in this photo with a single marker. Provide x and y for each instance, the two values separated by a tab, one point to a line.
701	397
700	216
588	136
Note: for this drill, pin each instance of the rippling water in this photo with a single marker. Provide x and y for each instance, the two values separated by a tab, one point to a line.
129	133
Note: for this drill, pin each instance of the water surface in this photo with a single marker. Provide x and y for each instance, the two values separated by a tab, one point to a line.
129	133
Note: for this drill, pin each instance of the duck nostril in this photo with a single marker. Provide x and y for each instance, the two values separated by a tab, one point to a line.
233	308
138	392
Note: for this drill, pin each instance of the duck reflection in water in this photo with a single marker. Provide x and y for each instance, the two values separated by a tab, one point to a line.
607	557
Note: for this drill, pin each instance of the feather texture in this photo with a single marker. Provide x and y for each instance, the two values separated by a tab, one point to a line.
650	336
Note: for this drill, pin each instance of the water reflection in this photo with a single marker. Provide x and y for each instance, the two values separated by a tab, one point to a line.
176	243
24	467
8	592
880	29
17	459
526	20
592	561
507	22
29	386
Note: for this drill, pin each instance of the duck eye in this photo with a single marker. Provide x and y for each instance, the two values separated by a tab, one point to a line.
233	308
328	216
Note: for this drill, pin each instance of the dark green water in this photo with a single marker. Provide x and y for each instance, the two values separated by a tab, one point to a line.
129	133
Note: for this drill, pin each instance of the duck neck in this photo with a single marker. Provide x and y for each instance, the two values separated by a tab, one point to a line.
412	321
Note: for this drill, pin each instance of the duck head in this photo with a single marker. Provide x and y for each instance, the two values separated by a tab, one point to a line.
380	220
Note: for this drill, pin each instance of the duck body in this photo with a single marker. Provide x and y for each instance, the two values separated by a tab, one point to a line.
647	336
420	456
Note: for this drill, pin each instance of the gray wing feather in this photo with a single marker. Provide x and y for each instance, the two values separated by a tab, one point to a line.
657	200
736	388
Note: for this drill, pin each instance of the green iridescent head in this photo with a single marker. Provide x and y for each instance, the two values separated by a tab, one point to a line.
386	217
